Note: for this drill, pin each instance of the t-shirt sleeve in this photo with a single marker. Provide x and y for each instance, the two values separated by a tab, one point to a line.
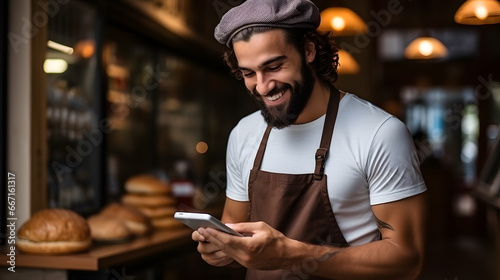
393	170
235	189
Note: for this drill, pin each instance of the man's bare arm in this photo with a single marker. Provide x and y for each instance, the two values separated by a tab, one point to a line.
235	211
399	255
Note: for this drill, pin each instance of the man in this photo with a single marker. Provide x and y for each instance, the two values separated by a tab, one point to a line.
321	188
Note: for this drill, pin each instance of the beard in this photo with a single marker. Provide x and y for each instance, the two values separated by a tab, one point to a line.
283	115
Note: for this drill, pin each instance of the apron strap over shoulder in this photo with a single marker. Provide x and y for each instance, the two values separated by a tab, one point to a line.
260	152
320	163
326	138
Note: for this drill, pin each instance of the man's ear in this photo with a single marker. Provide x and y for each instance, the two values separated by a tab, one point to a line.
310	49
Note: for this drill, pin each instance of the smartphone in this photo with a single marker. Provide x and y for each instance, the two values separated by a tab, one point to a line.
197	220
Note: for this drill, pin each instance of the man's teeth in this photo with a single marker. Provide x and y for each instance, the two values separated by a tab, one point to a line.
274	97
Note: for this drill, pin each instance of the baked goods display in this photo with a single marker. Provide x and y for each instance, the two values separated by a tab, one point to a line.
54	231
148	200
153	197
148	204
108	229
147	184
156	212
135	220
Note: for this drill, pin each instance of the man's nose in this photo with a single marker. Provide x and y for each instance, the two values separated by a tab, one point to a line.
264	84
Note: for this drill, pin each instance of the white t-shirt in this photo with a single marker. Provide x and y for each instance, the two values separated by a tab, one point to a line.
372	160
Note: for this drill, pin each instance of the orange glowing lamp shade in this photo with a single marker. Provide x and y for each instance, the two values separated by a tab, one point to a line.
342	21
425	48
348	65
478	12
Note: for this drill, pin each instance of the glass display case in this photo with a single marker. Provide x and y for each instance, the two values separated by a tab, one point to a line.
74	135
131	92
170	115
122	103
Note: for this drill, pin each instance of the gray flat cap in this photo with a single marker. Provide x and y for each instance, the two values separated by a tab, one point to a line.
270	13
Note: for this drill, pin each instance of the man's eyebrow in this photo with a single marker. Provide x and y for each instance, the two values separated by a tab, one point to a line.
267	62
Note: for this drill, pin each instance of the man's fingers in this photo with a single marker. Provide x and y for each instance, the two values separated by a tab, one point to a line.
247	227
197	237
217	259
207	248
211	235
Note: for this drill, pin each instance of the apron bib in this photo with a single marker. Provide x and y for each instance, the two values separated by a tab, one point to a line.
296	204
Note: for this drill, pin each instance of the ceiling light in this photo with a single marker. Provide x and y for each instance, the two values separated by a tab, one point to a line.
425	48
55	66
338	23
347	64
342	21
477	12
59	47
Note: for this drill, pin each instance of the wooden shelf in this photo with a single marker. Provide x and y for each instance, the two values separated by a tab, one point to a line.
104	256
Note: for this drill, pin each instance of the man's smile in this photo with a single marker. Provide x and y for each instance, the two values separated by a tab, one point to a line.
276	96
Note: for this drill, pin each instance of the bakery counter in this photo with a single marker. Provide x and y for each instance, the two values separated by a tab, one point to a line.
103	256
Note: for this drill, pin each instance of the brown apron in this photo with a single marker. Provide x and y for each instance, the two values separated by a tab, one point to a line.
296	204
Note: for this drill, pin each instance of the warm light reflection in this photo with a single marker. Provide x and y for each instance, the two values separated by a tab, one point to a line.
85	48
348	65
481	12
343	22
338	23
478	12
55	66
425	48
202	147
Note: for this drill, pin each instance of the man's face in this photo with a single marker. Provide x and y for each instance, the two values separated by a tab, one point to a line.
276	75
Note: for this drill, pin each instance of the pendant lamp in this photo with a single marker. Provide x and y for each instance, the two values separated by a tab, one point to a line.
348	65
342	21
425	48
478	12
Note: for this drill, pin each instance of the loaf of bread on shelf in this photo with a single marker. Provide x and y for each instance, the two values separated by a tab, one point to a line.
158	212
138	200
147	184
166	223
108	229
54	231
135	220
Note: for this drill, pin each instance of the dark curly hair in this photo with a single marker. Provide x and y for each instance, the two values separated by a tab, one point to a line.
324	65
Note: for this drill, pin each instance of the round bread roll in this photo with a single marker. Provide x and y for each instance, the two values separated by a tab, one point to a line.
157	212
54	231
147	184
135	220
148	200
106	228
166	222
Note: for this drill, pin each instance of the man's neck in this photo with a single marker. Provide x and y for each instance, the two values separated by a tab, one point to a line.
316	105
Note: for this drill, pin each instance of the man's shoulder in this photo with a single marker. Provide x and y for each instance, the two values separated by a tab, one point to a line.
248	126
363	108
252	121
366	114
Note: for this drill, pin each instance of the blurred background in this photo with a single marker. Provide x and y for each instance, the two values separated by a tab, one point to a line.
94	92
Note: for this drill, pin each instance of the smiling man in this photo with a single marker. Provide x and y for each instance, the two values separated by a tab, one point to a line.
323	184
277	75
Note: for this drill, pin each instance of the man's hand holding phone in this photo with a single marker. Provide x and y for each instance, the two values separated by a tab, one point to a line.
220	245
211	253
